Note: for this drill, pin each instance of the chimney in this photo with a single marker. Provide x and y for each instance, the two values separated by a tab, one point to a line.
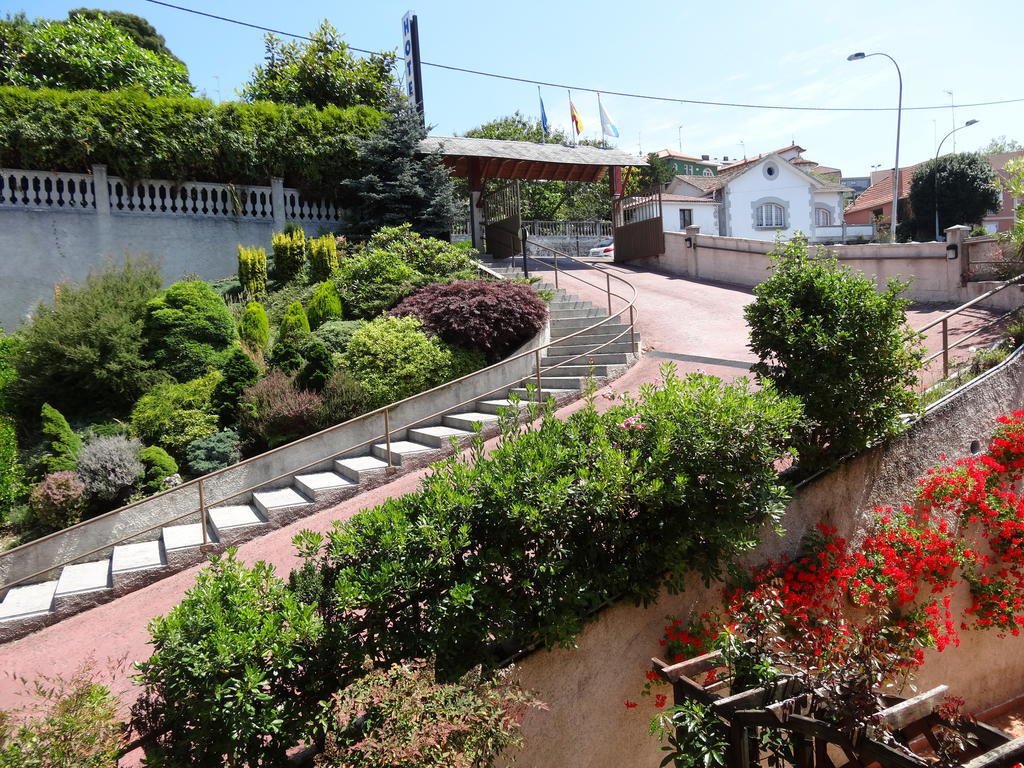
725	158
705	157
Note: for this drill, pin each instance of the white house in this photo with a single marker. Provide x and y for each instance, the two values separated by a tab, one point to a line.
758	198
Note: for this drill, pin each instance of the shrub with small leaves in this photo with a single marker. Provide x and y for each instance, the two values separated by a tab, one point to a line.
324	305
172	415
289	254
335	334
492	316
427	255
372	281
237	373
58	500
159	466
254	327
318	368
323	257
62	443
12	473
219	450
273	412
286	357
252	271
342	398
294	324
110	467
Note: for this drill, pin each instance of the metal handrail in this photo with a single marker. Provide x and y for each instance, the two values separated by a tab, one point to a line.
944	320
198	483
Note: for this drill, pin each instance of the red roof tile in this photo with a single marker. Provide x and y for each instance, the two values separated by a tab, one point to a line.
880	193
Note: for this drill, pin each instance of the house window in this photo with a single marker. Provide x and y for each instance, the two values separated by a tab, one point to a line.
822	217
770	215
708	172
685	218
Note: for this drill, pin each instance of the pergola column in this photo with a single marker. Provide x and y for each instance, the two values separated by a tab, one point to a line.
476	211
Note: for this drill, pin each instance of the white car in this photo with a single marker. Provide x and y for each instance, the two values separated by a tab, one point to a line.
604	249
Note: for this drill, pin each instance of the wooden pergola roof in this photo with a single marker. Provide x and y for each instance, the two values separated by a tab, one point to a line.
525	160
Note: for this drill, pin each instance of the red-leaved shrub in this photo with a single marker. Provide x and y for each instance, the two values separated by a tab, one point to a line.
273	412
59	499
494	317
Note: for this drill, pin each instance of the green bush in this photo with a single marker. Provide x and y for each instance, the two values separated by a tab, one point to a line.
237	373
229	674
62	443
188	329
286	357
323	257
217	451
86	349
182	139
273	412
294	325
172	414
159	465
335	334
394	358
252	272
289	254
324	305
12	474
373	281
342	398
828	336
427	255
110	467
58	501
9	347
254	328
318	368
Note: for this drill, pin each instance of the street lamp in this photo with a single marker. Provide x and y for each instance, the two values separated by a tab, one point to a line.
935	174
899	116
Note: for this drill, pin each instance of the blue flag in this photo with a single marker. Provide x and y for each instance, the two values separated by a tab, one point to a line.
543	114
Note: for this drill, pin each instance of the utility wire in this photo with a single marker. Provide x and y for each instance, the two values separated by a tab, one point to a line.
623	94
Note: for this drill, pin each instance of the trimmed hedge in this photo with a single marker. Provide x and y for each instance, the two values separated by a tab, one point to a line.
182	138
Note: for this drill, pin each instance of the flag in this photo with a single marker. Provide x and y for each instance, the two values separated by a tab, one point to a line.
577	124
608	127
543	114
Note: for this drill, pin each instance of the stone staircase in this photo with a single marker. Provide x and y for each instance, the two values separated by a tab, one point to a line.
80	586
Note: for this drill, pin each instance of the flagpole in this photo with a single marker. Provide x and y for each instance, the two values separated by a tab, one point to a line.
572	130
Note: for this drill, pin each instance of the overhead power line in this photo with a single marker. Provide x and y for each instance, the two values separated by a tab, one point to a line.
585	89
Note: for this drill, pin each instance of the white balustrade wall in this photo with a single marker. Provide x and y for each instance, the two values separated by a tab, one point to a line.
57	227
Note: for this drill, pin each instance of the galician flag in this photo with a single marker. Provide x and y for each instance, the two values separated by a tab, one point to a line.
608	127
577	124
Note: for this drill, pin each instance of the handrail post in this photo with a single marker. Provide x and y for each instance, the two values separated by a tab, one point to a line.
632	331
945	347
536	355
202	513
387	435
556	270
608	288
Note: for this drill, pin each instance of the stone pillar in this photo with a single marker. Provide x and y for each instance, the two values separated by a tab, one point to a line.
101	193
957	264
277	202
692	262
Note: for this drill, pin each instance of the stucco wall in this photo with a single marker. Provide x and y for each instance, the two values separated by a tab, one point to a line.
789	186
704	215
588	725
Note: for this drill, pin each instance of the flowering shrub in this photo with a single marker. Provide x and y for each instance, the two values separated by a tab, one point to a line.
110	467
273	412
58	500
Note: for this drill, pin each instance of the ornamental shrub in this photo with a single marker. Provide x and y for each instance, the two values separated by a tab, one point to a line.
172	415
188	330
229	674
394	358
110	467
159	465
86	349
294	324
286	357
323	257
8	373
219	450
373	281
62	443
491	316
324	305
273	412
58	501
252	272
427	255
237	373
12	474
335	334
829	337
342	398
289	254
318	368
254	327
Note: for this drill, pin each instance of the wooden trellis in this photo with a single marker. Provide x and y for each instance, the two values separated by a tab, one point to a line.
816	743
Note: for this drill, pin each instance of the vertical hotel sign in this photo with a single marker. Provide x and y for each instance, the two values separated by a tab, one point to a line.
411	49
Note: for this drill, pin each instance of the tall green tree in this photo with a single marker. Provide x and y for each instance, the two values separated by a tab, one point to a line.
84	53
999	145
964	185
137	28
321	71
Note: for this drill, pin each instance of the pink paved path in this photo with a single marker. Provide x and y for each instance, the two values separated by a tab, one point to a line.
676	316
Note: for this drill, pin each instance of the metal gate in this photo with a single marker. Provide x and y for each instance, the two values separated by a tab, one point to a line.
637	227
502	219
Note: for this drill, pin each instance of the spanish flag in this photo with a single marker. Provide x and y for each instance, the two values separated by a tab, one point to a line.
577	124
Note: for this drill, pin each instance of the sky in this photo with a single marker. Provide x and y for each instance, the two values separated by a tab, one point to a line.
788	52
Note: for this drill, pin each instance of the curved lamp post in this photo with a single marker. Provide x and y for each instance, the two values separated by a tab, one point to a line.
899	115
935	174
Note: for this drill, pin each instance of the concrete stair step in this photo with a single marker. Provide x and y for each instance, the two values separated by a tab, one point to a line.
552	392
592	336
358	467
559	382
493	406
573	369
586	345
583	358
136	557
235	516
312	483
401	451
575	323
176	537
283	498
438	437
467	420
569	303
83	577
558	315
26	601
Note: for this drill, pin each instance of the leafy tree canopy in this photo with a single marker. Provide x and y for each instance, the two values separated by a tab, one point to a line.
321	71
84	53
964	185
1001	144
137	28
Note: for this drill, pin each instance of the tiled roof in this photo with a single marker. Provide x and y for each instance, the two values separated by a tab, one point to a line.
687	199
681	156
880	193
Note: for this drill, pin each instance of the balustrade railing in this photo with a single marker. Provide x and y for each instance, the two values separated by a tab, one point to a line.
43	189
195	198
